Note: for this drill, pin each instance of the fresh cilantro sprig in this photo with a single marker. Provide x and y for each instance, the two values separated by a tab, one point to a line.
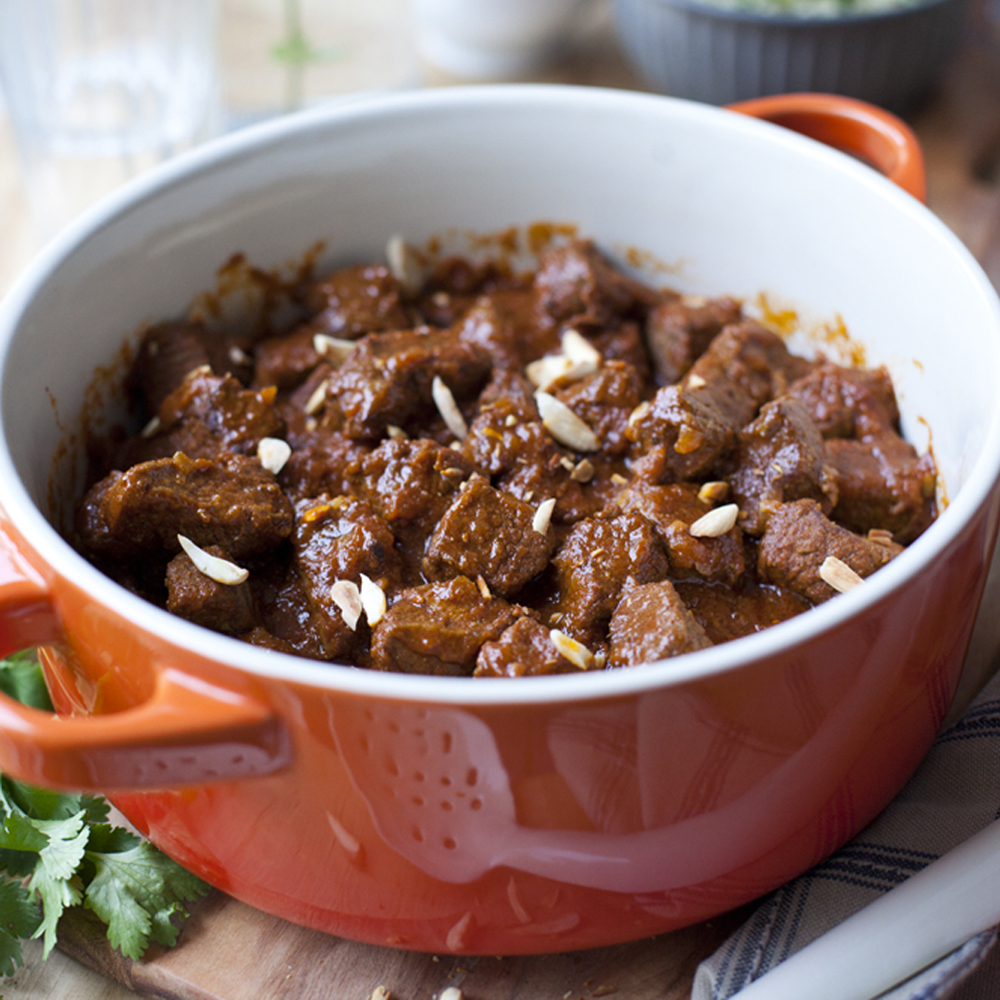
57	850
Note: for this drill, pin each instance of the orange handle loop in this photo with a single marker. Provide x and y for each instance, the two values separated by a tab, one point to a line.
879	138
188	732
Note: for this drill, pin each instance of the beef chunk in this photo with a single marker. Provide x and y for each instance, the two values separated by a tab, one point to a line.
340	538
652	623
489	534
600	561
679	331
622	343
200	599
848	402
692	426
508	327
356	300
577	284
324	465
439	628
604	401
672	510
233	503
207	416
883	484
167	353
286	361
799	537
388	378
780	458
525	649
727	614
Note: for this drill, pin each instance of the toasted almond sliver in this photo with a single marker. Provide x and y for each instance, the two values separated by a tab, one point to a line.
451	993
618	479
838	574
564	425
548	370
696	381
380	993
199	370
716	522
404	263
372	600
151	429
315	402
347	597
448	408
543	516
396	432
576	652
238	356
580	350
714	491
583	471
639	412
273	453
484	588
332	348
219	570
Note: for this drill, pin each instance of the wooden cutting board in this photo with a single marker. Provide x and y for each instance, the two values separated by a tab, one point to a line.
230	951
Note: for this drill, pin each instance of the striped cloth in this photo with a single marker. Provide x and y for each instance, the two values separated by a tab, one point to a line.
954	794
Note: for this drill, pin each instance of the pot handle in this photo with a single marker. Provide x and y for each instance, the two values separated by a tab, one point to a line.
188	732
865	131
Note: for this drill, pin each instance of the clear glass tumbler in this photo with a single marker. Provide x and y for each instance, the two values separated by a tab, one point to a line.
99	90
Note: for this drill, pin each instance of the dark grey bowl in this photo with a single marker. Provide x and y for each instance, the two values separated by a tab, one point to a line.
717	55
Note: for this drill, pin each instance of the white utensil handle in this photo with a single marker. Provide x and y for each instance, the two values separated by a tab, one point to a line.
902	932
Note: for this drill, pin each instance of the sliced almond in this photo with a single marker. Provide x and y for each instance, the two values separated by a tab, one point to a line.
238	356
315	402
405	264
219	570
580	350
333	348
576	652
396	433
577	358
716	522
448	408
564	425
372	600
347	597
151	429
451	993
639	412
618	479
273	453
696	382
380	993
838	574
199	370
543	516
484	588
583	471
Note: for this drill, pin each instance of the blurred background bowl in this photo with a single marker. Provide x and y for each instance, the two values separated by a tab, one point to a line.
723	53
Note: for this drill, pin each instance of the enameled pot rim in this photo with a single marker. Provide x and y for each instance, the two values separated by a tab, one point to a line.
60	558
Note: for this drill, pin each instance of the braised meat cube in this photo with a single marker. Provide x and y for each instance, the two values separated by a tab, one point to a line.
884	484
439	628
797	541
341	538
356	300
506	325
679	331
290	616
258	636
848	402
652	623
489	534
622	343
726	614
604	401
286	361
692	426
208	416
168	353
387	380
577	284
780	458
525	649
672	509
234	503
324	465
683	435
192	595
601	560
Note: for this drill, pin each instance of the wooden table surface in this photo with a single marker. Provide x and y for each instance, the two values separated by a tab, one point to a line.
366	45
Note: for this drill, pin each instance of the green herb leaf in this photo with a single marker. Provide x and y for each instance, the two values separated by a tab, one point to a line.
21	678
19	917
